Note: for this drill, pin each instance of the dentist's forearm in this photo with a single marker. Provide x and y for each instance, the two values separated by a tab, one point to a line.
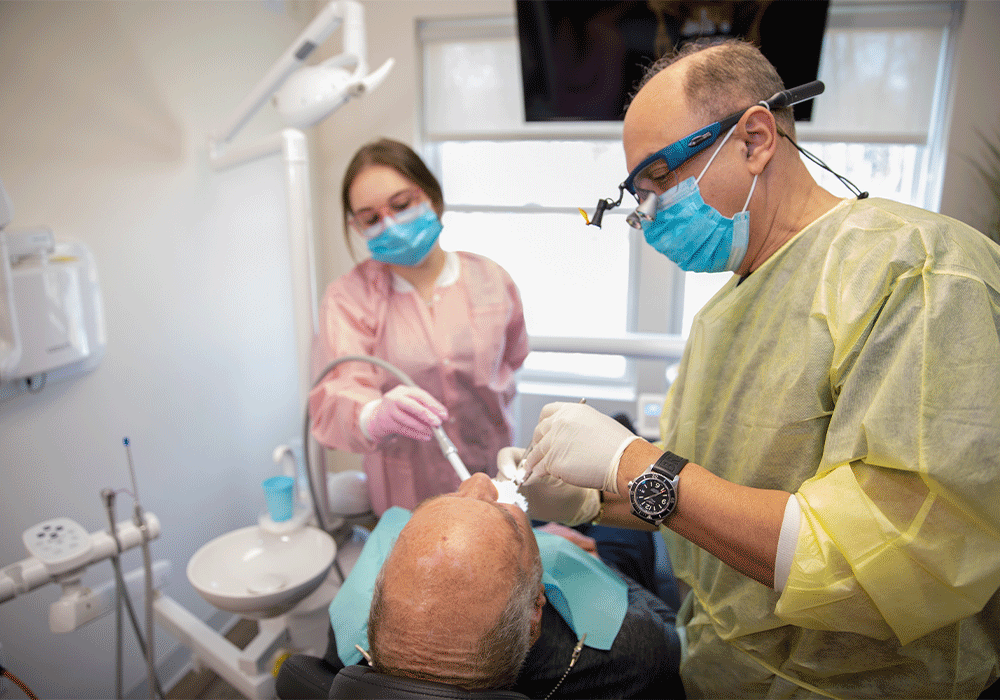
738	524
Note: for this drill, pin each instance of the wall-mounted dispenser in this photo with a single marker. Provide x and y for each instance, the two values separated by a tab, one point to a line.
51	315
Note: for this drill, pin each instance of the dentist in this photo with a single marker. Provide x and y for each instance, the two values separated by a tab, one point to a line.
452	321
827	481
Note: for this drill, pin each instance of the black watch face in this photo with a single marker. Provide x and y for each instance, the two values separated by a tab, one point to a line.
654	495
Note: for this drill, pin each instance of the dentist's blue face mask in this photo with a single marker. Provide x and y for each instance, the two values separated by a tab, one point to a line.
693	234
408	239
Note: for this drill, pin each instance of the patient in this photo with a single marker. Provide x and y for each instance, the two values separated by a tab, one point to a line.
462	598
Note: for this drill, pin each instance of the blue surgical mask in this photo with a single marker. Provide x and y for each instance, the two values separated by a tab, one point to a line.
408	239
695	235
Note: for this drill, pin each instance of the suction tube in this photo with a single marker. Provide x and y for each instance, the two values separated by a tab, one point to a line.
447	446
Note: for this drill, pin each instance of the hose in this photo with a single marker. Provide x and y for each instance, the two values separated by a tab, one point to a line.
18	682
122	597
444	442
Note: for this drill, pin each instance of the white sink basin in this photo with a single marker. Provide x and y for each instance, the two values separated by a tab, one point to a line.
259	574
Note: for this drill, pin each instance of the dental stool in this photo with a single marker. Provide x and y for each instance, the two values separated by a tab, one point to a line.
303	677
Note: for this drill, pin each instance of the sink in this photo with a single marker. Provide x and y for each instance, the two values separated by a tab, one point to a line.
257	574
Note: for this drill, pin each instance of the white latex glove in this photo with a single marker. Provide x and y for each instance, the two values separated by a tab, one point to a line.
507	460
579	445
404	410
550	498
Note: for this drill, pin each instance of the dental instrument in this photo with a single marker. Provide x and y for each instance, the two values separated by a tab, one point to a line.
122	598
522	467
444	442
507	490
139	521
60	551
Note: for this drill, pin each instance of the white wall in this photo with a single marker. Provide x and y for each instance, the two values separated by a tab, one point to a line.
103	121
975	106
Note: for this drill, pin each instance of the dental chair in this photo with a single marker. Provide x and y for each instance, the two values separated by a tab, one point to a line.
303	677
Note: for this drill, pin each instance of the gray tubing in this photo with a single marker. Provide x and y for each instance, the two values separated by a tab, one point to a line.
447	446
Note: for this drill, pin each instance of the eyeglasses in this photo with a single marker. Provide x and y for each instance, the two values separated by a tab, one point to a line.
370	221
651	174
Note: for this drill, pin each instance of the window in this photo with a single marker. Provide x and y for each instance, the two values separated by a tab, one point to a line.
574	279
513	188
881	121
514	193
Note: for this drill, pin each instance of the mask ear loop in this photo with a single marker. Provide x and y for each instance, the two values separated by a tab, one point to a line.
703	170
752	187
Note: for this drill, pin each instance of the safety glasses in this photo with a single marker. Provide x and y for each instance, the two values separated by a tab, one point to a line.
371	221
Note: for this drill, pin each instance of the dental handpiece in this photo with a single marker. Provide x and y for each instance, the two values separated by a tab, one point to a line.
451	453
447	446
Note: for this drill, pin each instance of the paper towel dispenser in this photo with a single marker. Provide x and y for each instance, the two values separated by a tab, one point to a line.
51	315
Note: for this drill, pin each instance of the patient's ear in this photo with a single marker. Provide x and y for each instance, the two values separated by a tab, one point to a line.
536	615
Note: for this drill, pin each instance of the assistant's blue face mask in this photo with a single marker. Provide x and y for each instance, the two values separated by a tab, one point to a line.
408	240
695	235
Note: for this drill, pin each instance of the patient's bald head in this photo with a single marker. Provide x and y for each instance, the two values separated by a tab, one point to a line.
459	598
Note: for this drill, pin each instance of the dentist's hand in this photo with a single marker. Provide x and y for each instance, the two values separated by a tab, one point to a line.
579	445
406	411
550	498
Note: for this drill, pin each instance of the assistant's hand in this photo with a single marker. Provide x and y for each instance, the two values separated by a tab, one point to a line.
578	445
550	498
406	411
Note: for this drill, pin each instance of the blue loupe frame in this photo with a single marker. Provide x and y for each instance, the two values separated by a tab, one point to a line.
694	143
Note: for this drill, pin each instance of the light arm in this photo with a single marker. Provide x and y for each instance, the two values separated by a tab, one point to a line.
324	24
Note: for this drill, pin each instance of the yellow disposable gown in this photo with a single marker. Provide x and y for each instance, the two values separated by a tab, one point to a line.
858	368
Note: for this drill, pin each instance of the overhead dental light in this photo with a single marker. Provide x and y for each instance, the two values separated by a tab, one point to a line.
303	96
313	92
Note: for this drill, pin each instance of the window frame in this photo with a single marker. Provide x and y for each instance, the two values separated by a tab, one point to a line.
650	276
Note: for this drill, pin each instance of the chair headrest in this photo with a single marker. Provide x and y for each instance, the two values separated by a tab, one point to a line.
361	682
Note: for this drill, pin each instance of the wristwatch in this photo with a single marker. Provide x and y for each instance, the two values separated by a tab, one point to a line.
653	494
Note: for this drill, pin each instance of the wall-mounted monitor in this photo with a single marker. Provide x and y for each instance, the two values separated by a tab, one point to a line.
581	59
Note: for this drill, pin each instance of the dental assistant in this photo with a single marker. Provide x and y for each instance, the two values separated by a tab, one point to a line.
827	481
452	321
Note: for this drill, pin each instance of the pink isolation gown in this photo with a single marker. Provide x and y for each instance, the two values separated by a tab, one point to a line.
463	348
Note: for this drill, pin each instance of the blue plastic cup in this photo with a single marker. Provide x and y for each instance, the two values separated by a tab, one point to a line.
279	490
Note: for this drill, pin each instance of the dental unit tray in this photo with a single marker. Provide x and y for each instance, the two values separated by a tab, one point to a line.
60	548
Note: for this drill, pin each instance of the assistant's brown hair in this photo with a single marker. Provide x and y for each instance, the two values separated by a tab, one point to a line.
401	158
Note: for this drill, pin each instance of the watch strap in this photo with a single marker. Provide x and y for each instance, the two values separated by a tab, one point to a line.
669	465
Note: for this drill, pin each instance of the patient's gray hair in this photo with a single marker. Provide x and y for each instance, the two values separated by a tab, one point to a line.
501	652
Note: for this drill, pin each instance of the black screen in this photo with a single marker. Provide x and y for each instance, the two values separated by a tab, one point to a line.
581	59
